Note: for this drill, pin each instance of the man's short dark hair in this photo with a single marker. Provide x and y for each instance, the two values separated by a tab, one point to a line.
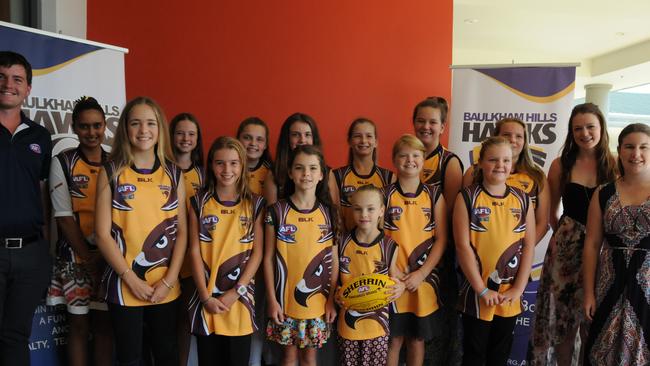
10	58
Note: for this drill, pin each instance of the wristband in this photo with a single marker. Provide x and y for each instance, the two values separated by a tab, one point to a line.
121	275
485	290
167	284
203	302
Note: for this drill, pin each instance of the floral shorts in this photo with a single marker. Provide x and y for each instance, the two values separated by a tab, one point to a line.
308	333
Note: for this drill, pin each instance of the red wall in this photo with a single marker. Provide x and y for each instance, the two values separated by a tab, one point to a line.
334	60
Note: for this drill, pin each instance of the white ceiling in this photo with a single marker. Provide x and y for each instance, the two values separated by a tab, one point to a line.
610	39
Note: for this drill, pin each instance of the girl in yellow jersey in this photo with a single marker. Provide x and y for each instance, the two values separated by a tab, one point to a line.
253	133
525	174
495	240
362	168
300	260
226	250
141	231
75	283
363	336
187	146
416	219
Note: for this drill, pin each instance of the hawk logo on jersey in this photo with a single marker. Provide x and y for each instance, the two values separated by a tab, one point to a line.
381	316
287	233
506	267
229	272
325	233
316	278
157	248
165	190
516	213
427	213
417	258
126	191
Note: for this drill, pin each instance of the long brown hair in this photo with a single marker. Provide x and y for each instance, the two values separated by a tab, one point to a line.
196	156
605	162
524	163
631	128
121	154
243	190
354	124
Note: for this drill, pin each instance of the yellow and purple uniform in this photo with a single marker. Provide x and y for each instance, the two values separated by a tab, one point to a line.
347	182
303	257
356	259
410	221
497	230
524	182
193	181
257	175
226	235
144	225
81	178
435	166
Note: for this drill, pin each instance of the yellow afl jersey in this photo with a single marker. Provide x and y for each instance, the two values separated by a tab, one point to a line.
303	255
226	234
256	176
356	259
145	221
497	230
81	177
435	166
524	182
410	221
193	181
347	182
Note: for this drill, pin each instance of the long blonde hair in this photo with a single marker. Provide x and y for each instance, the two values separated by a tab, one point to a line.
121	155
524	163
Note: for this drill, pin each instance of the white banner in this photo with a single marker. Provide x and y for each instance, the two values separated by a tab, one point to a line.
542	97
64	69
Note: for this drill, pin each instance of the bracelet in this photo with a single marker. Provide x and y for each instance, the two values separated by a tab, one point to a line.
203	302
167	284
121	275
485	290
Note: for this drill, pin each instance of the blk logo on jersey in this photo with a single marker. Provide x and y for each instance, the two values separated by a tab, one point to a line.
482	213
81	181
287	233
209	222
395	212
127	191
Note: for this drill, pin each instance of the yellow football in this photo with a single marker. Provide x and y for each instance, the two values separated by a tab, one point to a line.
366	293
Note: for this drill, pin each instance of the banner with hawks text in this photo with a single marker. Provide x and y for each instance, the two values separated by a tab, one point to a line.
64	69
540	96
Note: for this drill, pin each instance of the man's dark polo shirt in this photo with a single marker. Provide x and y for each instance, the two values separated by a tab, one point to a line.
24	162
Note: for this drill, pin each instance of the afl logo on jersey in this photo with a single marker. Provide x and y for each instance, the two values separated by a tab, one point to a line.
395	212
81	180
126	190
209	222
35	148
287	233
348	189
482	213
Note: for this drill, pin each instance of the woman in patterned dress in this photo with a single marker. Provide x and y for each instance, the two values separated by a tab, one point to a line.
585	163
616	261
